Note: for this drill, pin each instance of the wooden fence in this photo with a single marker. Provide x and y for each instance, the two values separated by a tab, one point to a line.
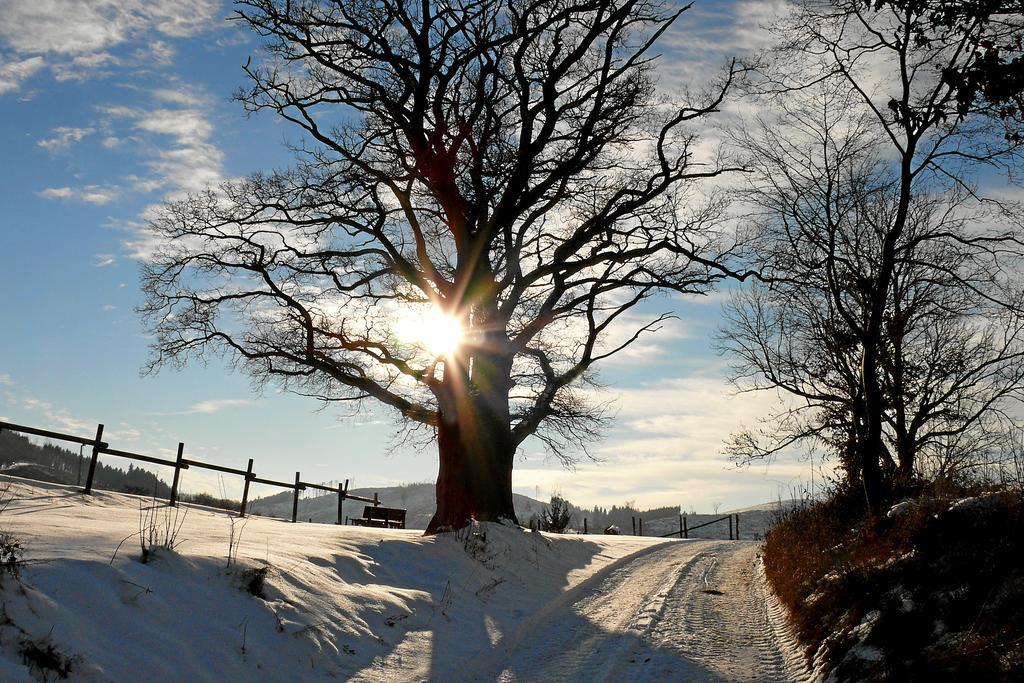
99	446
684	529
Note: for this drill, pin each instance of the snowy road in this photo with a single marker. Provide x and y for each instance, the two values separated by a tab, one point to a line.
692	611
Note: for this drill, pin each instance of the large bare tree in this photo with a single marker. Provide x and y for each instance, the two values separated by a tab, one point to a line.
506	164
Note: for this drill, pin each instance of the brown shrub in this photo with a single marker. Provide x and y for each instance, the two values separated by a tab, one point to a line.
941	582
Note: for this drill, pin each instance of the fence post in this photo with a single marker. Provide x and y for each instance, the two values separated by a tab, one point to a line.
295	500
730	527
245	490
680	526
177	474
342	493
584	525
634	525
686	532
376	500
641	526
95	456
737	526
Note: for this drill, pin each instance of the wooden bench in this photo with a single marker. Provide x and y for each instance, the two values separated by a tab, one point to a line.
387	518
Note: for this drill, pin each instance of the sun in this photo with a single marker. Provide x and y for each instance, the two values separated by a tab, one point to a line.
432	330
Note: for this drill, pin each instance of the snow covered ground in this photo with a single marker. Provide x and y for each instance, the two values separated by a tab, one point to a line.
348	603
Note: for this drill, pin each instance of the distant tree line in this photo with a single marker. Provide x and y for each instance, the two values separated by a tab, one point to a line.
21	457
562	514
45	462
622	517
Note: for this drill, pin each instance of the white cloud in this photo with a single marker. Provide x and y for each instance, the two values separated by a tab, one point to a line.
57	419
95	60
216	405
185	125
666	449
57	193
90	26
64	137
210	406
686	417
85	67
90	194
119	110
182	158
176	96
103	260
5	380
96	194
13	74
156	53
77	36
109	307
697	46
649	346
190	162
238	37
668	481
123	432
144	185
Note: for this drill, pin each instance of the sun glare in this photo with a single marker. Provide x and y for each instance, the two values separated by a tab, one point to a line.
433	331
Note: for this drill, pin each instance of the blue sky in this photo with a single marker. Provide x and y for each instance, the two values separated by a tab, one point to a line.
108	108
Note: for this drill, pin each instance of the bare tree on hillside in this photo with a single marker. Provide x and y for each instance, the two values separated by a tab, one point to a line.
894	61
949	367
504	164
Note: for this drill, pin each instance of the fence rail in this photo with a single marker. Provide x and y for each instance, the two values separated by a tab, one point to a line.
685	529
101	447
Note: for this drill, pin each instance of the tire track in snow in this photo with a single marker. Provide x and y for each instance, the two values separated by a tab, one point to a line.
691	611
716	615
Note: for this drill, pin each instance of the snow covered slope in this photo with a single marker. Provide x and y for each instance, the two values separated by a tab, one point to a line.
339	602
350	603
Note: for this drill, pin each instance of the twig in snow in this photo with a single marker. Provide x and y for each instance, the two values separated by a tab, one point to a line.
136	533
245	628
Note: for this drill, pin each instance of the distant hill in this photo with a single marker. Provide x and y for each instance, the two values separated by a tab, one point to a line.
417	499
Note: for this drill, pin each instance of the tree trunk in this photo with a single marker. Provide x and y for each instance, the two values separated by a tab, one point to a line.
874	339
871	471
475	445
905	457
903	471
474	481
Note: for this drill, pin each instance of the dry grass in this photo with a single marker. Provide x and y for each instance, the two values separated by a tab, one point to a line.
935	592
